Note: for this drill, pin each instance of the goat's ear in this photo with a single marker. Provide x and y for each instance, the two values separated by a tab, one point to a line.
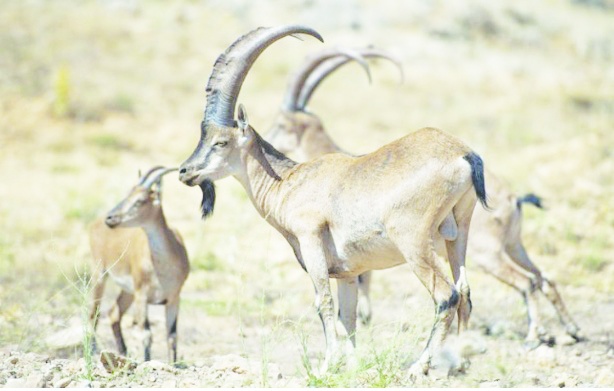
246	132
242	118
157	192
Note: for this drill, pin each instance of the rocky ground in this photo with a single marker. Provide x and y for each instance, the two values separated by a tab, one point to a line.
91	93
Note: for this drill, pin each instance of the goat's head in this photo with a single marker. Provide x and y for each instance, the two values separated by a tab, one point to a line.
142	202
293	121
225	141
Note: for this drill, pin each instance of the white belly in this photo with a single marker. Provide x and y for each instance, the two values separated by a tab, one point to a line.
124	281
353	256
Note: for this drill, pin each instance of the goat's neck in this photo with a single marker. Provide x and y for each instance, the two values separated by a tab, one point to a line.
264	170
165	250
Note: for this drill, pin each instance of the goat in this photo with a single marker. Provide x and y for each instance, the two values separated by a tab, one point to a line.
302	133
496	244
144	256
409	201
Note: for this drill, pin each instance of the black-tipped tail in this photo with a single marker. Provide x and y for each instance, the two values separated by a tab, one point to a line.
530	199
208	201
477	176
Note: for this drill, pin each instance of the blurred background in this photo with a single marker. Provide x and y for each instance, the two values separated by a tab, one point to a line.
93	91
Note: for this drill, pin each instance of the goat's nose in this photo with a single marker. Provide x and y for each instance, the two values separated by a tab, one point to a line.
111	221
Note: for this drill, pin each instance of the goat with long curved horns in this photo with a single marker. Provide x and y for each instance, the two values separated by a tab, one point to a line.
409	201
496	244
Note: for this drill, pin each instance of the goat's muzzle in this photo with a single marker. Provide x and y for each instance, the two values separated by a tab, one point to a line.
112	221
189	176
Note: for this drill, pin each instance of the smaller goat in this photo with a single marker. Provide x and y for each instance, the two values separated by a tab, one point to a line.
144	256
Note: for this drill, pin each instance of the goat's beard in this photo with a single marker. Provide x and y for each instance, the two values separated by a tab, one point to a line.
208	201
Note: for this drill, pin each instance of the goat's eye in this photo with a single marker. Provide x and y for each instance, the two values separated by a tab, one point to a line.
221	144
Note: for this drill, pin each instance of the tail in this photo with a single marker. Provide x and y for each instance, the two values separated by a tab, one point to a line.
477	176
530	199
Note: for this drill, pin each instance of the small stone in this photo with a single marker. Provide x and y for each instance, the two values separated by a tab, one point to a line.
14	360
112	362
62	383
97	384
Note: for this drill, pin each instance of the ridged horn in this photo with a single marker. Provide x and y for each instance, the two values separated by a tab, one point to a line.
297	81
231	67
148	173
154	178
325	69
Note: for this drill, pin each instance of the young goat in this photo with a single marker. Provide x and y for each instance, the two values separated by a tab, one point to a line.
144	256
409	201
496	244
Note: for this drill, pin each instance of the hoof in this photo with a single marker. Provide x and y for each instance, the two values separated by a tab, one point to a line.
531	344
574	332
364	311
549	340
417	372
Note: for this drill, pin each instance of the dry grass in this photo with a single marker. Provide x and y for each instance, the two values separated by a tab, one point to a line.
91	93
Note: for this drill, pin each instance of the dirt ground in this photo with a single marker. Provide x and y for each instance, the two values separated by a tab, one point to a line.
91	93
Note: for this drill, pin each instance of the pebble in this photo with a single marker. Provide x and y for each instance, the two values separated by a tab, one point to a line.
62	383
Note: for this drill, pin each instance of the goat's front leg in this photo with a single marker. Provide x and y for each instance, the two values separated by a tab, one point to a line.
172	309
364	303
313	257
142	321
348	292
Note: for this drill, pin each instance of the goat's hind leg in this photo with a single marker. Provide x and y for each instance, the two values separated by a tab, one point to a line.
430	269
497	265
518	255
456	251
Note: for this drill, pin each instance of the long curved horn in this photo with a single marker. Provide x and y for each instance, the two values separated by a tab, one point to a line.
298	80
232	66
320	73
148	173
154	178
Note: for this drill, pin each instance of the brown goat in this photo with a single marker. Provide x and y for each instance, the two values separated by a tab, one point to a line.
409	201
495	245
144	256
